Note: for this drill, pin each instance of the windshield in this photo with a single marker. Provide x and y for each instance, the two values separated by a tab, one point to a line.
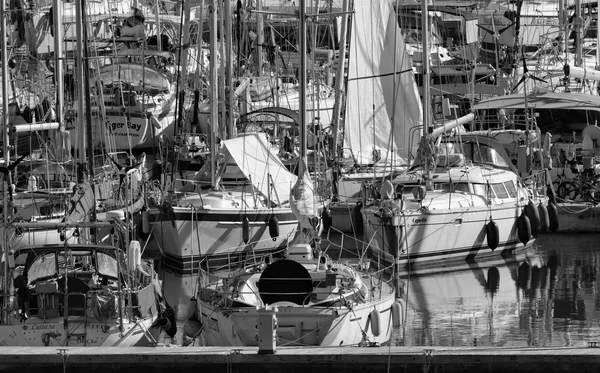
484	154
45	266
42	267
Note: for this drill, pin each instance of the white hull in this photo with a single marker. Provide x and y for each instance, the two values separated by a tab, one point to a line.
133	130
215	232
443	237
298	326
51	332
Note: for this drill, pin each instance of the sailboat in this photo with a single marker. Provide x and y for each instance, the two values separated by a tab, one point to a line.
312	299
383	115
462	199
70	289
81	294
235	206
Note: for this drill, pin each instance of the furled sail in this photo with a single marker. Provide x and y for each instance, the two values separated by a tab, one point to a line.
303	201
383	103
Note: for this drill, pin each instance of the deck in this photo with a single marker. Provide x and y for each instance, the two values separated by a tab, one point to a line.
291	360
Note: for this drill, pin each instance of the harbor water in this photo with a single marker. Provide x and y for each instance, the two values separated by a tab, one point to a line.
544	296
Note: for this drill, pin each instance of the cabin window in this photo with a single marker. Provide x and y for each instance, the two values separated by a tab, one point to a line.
480	189
483	154
107	265
499	190
456	187
510	187
44	266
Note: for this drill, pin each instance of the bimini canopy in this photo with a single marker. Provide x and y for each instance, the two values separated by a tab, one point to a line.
543	100
252	155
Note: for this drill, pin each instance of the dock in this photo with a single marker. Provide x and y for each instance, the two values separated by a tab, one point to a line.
578	217
300	360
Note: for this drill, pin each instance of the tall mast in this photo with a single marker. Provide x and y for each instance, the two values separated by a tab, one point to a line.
80	92
260	37
88	113
214	120
229	69
339	79
59	73
302	84
5	139
425	93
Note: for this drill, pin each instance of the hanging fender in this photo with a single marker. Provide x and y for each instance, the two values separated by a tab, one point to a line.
523	229
393	234
492	234
398	313
551	193
534	218
246	229
357	217
274	227
134	255
326	218
544	218
145	221
375	316
553	217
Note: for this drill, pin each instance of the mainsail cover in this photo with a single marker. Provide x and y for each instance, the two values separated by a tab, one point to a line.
383	103
252	154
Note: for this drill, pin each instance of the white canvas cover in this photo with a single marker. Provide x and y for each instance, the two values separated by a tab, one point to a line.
253	156
383	102
303	201
544	100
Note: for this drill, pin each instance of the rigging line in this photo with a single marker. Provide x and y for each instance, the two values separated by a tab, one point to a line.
380	75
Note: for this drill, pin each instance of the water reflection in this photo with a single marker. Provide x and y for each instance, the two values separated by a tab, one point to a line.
547	295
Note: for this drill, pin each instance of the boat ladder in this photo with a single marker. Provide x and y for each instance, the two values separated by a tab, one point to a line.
76	309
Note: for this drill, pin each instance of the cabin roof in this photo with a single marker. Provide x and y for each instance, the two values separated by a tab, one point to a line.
543	100
453	11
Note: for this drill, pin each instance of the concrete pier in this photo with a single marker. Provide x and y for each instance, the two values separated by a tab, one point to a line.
301	360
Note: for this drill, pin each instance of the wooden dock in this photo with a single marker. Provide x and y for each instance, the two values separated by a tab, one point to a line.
292	360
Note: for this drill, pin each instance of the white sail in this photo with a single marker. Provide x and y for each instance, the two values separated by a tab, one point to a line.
252	154
383	103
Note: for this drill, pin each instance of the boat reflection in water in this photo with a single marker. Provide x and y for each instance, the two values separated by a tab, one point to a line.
507	302
546	294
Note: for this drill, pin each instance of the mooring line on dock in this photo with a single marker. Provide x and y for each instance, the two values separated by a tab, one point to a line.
64	356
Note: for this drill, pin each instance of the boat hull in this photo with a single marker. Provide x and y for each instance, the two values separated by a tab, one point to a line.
51	332
297	325
189	235
442	238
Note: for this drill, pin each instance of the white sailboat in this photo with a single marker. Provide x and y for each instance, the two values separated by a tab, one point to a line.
75	294
383	116
67	290
236	206
461	198
249	214
314	301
